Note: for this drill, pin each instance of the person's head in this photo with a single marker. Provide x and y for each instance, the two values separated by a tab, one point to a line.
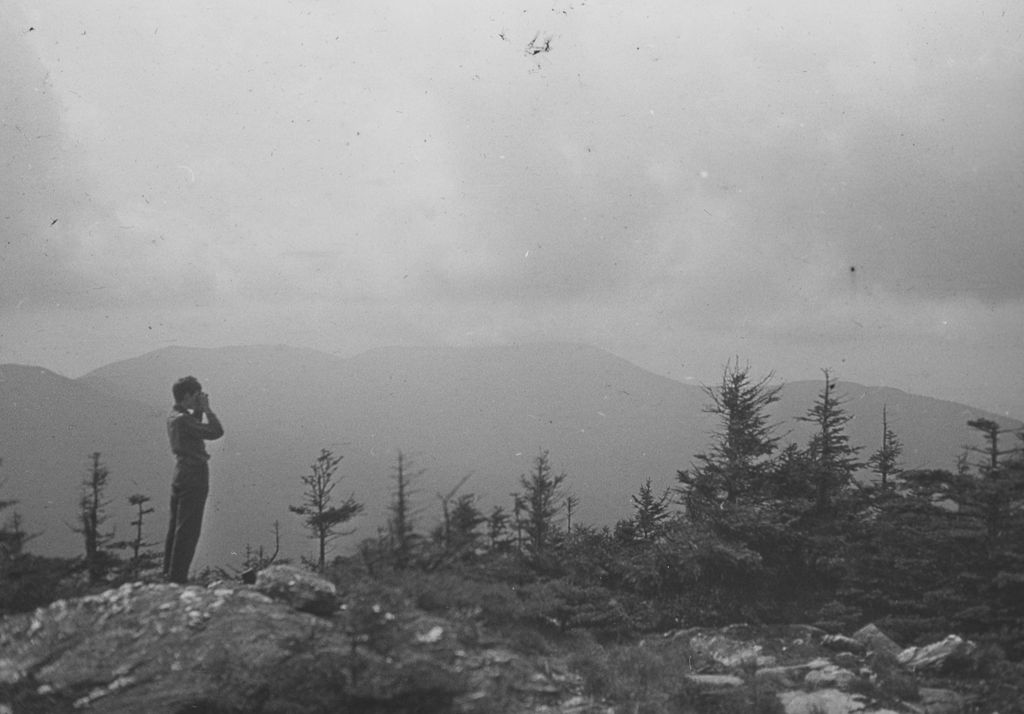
186	389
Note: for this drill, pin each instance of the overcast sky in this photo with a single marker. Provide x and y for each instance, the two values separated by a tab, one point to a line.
802	184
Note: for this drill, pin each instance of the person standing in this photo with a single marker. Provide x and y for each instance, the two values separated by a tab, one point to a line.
188	433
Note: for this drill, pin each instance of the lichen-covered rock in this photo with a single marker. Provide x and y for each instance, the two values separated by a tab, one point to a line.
830	677
781	677
842	643
715	680
827	701
303	590
937	655
847	660
727	651
939	701
791	676
229	649
162	649
876	641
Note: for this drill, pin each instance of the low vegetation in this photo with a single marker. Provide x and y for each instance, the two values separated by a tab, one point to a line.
752	533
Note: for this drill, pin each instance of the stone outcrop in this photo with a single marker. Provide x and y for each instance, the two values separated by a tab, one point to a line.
165	648
831	676
938	701
812	672
876	641
937	655
715	680
299	588
289	643
232	649
827	701
842	643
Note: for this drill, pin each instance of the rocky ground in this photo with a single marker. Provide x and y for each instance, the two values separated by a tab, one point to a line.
290	643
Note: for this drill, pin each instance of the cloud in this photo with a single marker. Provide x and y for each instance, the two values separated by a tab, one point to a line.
582	178
457	165
725	170
64	243
38	206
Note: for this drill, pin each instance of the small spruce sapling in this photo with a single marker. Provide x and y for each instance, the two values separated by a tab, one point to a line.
92	515
402	516
137	544
541	501
885	461
649	512
322	519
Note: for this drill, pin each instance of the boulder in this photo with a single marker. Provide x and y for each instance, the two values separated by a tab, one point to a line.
780	677
792	675
830	677
823	701
299	588
164	649
730	652
940	701
937	655
842	643
716	680
876	641
828	701
847	660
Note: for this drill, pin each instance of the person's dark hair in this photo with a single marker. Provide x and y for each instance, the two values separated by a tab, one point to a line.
184	387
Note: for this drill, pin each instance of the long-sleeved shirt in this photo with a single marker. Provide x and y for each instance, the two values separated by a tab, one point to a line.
187	434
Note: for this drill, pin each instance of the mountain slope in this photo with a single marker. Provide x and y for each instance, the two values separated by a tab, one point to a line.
49	425
454	412
485	412
934	432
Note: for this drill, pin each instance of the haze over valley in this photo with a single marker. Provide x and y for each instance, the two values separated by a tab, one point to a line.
485	413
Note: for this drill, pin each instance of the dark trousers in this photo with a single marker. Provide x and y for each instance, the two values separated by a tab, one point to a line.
188	499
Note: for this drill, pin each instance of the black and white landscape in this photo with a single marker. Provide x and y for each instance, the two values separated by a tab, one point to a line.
484	413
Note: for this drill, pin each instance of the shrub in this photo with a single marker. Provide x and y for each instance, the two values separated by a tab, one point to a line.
650	678
565	607
29	581
835	616
636	675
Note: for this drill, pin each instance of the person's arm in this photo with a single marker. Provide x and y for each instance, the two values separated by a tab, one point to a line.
212	429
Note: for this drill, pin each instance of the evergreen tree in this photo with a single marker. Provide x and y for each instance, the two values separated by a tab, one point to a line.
997	495
497	527
944	551
443	533
885	461
256	559
834	461
138	543
905	552
736	534
92	515
518	509
571	503
791	480
401	522
466	519
540	502
12	534
649	512
739	458
320	517
991	432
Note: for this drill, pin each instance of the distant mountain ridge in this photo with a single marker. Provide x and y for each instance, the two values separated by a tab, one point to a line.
485	411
